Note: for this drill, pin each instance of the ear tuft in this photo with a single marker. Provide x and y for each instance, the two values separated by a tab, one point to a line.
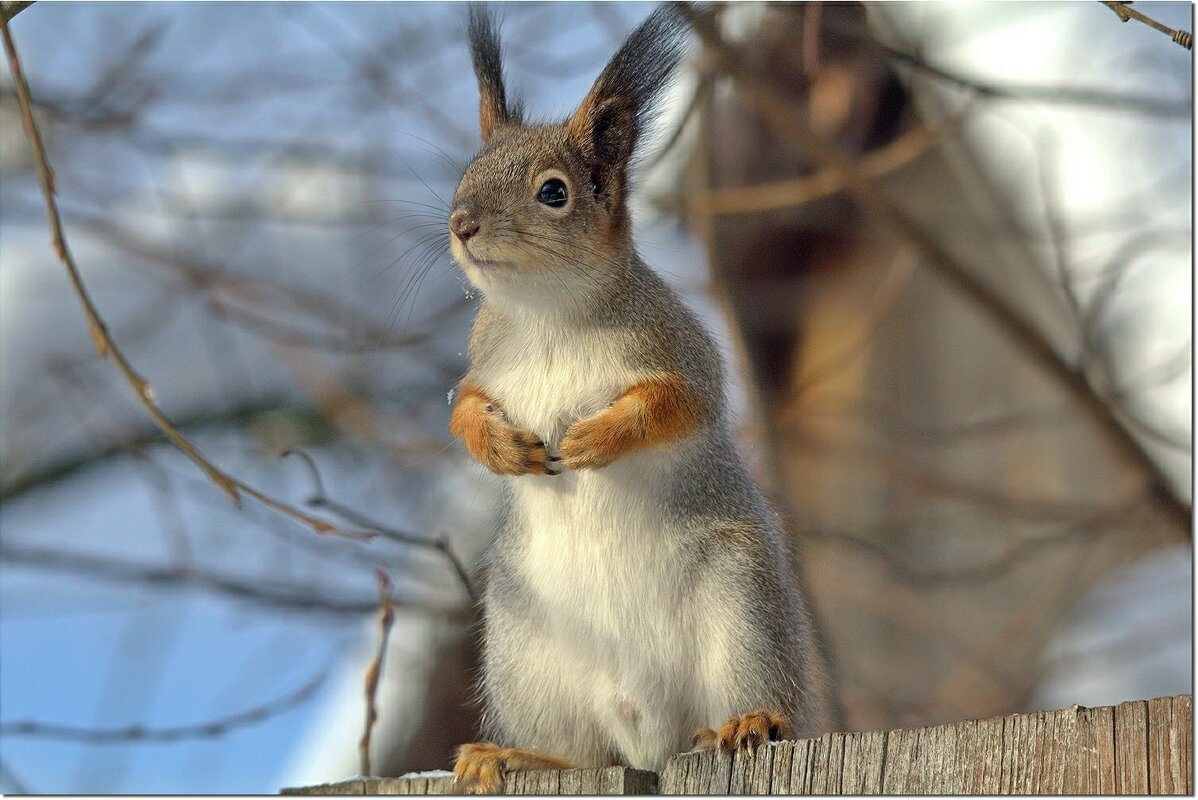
493	107
611	118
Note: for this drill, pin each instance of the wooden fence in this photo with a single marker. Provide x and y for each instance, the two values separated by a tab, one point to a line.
1140	747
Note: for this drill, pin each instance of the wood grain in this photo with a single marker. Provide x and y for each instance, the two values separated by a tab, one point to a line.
1139	747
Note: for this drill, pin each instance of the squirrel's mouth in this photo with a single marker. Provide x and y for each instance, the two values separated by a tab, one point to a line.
484	264
472	263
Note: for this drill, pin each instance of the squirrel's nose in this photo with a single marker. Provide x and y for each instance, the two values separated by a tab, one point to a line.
463	224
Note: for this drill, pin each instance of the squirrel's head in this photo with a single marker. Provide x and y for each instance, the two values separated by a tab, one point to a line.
541	216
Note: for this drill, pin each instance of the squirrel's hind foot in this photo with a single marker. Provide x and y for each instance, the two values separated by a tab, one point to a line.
744	731
480	766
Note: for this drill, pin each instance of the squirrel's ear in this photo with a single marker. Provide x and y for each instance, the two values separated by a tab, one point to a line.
610	119
493	107
605	132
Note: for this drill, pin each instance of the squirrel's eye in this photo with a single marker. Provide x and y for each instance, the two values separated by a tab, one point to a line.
553	193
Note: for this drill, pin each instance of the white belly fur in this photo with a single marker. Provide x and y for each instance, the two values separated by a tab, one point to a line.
595	553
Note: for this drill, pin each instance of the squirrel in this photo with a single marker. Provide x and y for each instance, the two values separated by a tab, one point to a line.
639	599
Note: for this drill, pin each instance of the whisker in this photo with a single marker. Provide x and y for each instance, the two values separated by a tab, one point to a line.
432	246
542	248
411	247
438	209
575	245
441	200
374	227
454	164
404	232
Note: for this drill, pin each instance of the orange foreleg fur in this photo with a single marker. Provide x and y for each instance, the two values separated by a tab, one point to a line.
652	412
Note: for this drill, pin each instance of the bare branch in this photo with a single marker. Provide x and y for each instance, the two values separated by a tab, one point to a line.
1126	12
898	468
1083	97
142	733
1085	528
826	182
1055	224
106	347
320	500
375	671
272	594
246	300
1033	616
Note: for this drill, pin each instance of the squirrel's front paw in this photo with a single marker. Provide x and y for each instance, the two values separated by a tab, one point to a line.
490	439
592	443
512	451
744	731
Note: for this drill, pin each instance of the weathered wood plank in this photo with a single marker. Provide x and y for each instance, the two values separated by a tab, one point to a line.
540	781
579	781
1134	748
1096	751
396	786
825	764
425	784
863	763
677	778
603	781
751	771
1131	748
1169	743
342	787
623	780
901	772
943	768
803	769
781	767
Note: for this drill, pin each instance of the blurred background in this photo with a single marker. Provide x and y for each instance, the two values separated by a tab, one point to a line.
953	284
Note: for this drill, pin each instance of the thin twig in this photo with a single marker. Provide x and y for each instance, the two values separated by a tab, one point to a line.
896	464
1031	618
1080	96
1126	12
824	183
240	293
270	594
375	671
107	347
1058	237
319	499
142	733
1090	528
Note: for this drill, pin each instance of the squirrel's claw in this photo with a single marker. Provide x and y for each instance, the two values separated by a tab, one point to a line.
508	450
744	731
